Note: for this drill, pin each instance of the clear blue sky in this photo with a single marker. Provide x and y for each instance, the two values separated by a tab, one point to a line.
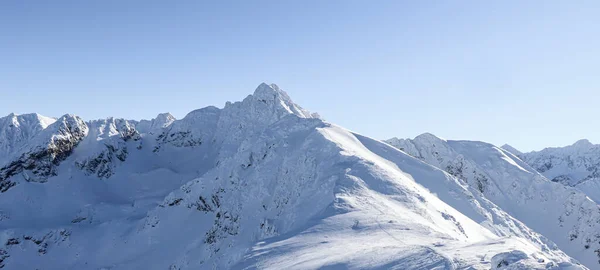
522	72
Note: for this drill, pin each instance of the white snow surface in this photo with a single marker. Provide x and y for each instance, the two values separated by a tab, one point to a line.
260	184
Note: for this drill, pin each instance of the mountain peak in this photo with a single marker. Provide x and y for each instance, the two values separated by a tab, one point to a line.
272	94
29	119
428	137
511	149
166	115
164	119
265	90
16	130
583	143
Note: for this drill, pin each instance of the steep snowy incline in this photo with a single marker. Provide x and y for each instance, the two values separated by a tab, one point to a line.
577	165
564	215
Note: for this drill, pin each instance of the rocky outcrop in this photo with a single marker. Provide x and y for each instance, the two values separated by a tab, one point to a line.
103	164
40	243
112	137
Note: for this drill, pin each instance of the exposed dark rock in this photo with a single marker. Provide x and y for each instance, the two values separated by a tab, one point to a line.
12	241
78	219
178	139
103	164
176	202
3	256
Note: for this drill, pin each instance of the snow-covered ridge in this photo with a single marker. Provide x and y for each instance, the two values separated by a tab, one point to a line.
260	183
576	165
570	165
562	214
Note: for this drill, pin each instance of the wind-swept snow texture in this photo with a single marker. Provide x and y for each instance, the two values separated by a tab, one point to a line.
258	184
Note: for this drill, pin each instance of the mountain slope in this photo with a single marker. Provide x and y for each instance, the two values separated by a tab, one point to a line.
564	215
577	165
260	183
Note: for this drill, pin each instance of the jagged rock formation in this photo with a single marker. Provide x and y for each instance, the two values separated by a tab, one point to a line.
114	135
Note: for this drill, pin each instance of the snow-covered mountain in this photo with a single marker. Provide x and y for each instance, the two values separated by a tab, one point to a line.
577	165
258	184
563	214
16	130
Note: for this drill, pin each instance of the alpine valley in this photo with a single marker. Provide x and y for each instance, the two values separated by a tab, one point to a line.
264	184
